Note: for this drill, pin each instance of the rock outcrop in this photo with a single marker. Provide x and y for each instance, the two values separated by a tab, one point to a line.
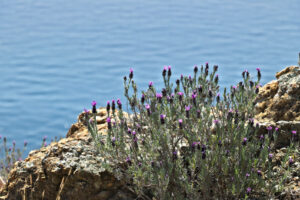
71	168
67	169
278	105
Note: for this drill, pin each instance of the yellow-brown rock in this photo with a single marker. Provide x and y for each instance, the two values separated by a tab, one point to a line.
278	104
67	169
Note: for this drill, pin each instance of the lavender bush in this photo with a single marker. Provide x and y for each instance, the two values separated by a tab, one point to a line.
9	155
187	141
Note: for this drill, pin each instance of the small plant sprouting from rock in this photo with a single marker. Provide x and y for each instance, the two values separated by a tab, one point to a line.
187	141
9	155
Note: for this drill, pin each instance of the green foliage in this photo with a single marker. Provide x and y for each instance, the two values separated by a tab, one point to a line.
187	142
9	156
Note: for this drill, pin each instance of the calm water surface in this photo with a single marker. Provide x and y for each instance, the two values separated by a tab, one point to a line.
58	56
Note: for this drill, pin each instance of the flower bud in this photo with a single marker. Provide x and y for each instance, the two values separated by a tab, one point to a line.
169	71
113	105
215	68
119	104
107	106
195	69
94	110
131	73
143	98
180	123
164	72
162	118
108	120
187	111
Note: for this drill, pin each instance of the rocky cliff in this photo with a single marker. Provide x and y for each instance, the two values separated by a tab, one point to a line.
71	167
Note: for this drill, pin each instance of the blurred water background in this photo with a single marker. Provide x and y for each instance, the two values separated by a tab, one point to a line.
58	56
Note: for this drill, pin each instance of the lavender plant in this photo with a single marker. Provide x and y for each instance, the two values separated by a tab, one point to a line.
186	141
9	156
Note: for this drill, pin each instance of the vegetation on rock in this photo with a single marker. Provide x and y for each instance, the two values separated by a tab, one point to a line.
188	141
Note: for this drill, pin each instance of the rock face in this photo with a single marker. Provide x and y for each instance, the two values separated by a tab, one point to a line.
278	105
279	100
71	168
68	169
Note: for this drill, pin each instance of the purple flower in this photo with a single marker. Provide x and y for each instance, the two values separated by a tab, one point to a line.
261	137
119	104
130	73
169	71
45	138
133	133
291	161
150	84
25	143
181	77
200	89
244	141
128	160
269	128
108	120
234	87
247	175
94	103
248	190
180	123
148	109
162	118
159	97
259	173
187	108
86	111
270	155
175	155
218	97
113	105
143	98
258	73
194	144
14	143
276	129
216	121
196	69
180	95
164	72
294	132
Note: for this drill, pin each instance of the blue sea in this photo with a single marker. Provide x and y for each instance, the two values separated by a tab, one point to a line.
58	56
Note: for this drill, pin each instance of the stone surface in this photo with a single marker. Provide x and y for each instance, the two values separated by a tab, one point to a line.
278	105
67	169
279	100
